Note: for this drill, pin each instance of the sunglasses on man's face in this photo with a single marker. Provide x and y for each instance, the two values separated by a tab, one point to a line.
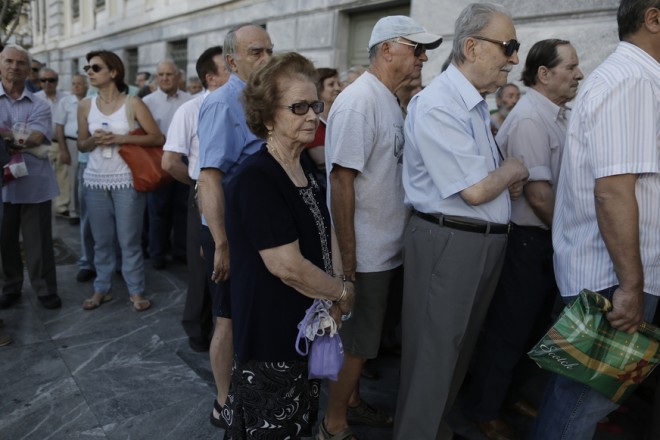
35	69
510	46
301	108
418	48
48	80
94	68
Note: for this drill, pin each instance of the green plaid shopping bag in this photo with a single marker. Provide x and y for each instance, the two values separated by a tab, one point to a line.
583	346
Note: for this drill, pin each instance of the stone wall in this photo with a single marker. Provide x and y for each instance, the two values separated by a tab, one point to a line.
316	28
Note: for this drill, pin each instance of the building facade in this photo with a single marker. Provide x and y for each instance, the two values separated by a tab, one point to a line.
332	33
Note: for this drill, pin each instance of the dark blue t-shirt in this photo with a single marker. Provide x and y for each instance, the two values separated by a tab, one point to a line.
263	210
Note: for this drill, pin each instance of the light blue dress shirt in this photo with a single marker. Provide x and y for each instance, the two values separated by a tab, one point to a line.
449	147
224	137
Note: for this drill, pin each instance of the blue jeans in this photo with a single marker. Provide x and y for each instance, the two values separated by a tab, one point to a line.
571	410
115	215
86	260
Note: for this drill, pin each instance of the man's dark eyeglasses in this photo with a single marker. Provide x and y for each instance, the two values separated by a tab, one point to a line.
48	80
510	46
95	68
301	108
417	47
35	69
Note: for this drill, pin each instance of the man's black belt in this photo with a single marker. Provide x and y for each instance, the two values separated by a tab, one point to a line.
71	137
465	225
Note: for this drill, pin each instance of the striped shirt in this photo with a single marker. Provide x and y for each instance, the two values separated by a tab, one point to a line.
614	129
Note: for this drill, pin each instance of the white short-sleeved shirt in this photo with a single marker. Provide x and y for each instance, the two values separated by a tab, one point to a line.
182	134
614	129
534	133
66	114
365	133
162	106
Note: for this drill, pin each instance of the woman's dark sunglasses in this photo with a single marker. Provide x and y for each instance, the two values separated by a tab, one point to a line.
95	68
301	108
510	46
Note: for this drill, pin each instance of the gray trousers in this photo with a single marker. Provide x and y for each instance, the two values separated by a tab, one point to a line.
449	279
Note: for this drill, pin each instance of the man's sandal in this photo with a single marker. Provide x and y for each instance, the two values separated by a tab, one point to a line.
346	434
91	303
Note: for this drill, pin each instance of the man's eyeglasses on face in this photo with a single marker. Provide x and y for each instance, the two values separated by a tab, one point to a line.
48	80
301	108
94	67
510	46
35	69
418	48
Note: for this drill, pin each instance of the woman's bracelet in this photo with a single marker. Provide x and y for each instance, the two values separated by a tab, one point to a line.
344	291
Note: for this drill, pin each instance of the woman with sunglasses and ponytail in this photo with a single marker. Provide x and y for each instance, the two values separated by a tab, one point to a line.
281	255
115	209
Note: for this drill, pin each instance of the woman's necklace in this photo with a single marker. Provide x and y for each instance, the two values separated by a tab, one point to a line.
294	172
108	102
278	156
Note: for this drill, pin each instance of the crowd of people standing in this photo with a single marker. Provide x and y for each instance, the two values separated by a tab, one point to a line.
293	191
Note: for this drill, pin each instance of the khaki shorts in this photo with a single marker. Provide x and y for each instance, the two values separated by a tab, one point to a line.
361	334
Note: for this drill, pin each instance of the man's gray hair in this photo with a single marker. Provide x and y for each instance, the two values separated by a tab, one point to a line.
20	49
230	46
471	21
48	70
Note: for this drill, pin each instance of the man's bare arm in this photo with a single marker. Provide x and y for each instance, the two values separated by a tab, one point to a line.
511	171
212	203
541	198
172	163
618	220
342	204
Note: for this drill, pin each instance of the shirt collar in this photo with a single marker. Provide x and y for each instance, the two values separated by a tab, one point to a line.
176	94
547	106
640	56
234	78
26	93
469	94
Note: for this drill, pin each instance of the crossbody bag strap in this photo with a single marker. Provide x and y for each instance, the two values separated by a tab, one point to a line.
130	112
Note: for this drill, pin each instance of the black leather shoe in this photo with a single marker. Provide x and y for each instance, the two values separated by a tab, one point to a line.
51	301
8	299
85	275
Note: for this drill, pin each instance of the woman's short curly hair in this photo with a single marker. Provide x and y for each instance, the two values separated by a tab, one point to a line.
266	85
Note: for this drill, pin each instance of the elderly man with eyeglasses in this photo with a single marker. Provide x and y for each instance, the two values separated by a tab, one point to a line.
460	188
364	144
